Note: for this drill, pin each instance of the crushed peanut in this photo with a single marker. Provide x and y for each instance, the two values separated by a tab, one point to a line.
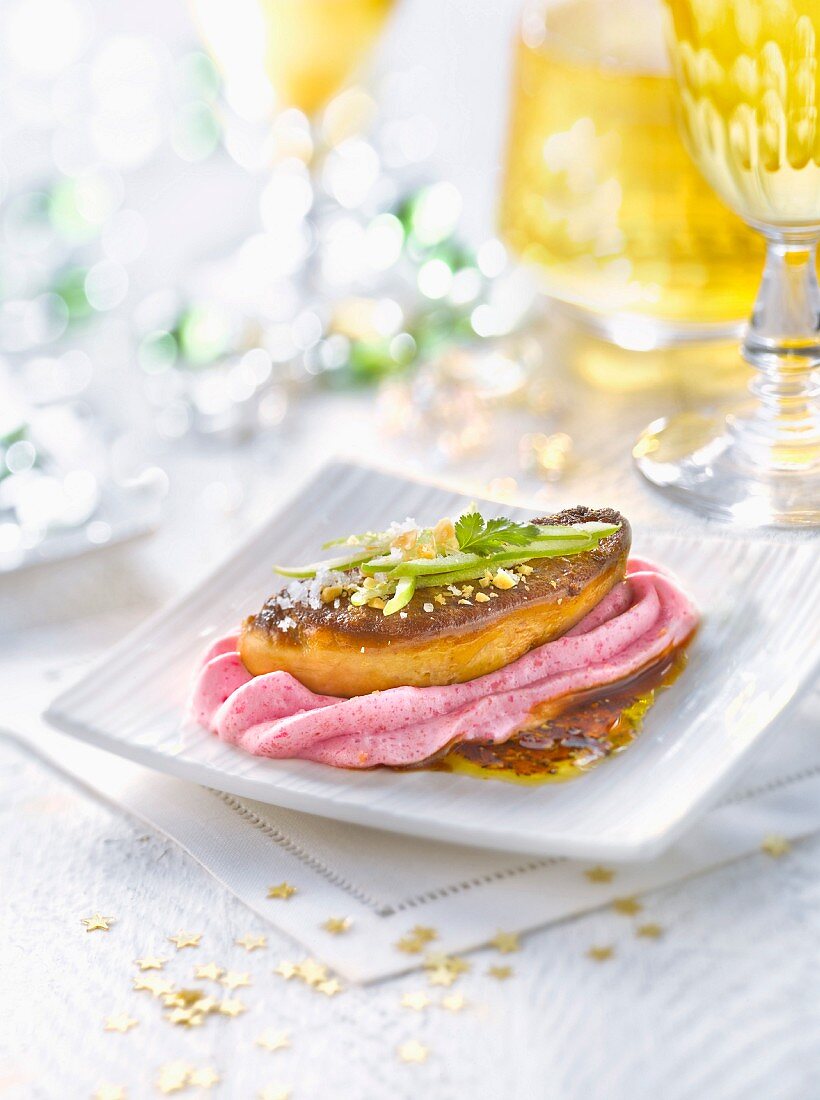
330	593
378	603
482	597
444	533
467	590
486	580
505	580
440	599
524	569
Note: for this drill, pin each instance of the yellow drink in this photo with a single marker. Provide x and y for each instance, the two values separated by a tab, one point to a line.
311	46
599	190
750	89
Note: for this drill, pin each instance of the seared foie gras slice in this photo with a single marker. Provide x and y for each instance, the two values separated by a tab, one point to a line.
442	636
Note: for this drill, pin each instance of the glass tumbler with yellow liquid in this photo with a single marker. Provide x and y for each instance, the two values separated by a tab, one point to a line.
748	73
599	191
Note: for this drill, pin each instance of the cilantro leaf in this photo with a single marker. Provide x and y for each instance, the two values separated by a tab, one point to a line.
480	536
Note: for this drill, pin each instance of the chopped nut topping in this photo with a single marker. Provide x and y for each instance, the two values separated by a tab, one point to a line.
486	580
505	580
482	597
444	533
378	603
524	569
465	603
331	592
440	599
467	590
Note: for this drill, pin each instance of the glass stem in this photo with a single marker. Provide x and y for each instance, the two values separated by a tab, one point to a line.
783	345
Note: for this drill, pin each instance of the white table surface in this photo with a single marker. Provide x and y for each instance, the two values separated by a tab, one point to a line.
725	1005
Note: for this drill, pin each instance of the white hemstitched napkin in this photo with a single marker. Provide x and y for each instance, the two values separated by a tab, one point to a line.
386	884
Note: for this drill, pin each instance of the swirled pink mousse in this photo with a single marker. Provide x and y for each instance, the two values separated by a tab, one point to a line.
274	715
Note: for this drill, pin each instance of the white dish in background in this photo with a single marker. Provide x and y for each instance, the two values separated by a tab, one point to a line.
757	645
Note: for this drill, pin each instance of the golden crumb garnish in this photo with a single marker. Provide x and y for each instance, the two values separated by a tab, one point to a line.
378	603
525	570
486	580
467	590
330	592
505	580
439	599
482	597
370	582
444	533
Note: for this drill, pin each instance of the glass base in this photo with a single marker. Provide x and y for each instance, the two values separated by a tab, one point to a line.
693	459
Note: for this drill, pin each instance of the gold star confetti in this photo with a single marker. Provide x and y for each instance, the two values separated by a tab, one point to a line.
185	939
284	890
627	907
151	962
453	1002
274	1092
448	962
417	1001
599	874
110	1092
183	998
204	1078
423	933
252	943
337	925
649	931
311	971
286	970
209	971
412	1051
157	986
274	1040
232	1007
440	975
410	945
500	973
232	979
775	846
174	1077
185	1017
98	923
330	987
505	942
600	954
121	1023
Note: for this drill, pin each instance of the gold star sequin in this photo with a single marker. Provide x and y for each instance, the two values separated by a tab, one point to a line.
121	1023
185	939
151	962
286	970
627	907
210	971
775	846
500	973
182	998
157	986
417	1001
185	1017
330	987
204	1078
232	1006
424	933
284	890
337	925
601	954
412	1051
174	1077
110	1092
440	975
98	923
252	943
274	1040
409	945
453	1002
506	942
274	1092
311	971
599	874
232	979
448	962
649	931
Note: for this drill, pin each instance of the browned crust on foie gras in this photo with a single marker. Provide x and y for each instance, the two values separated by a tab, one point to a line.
348	650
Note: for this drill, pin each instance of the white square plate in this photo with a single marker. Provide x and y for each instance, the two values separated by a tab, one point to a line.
758	643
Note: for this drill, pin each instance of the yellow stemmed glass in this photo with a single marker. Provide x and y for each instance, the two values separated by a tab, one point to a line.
748	73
